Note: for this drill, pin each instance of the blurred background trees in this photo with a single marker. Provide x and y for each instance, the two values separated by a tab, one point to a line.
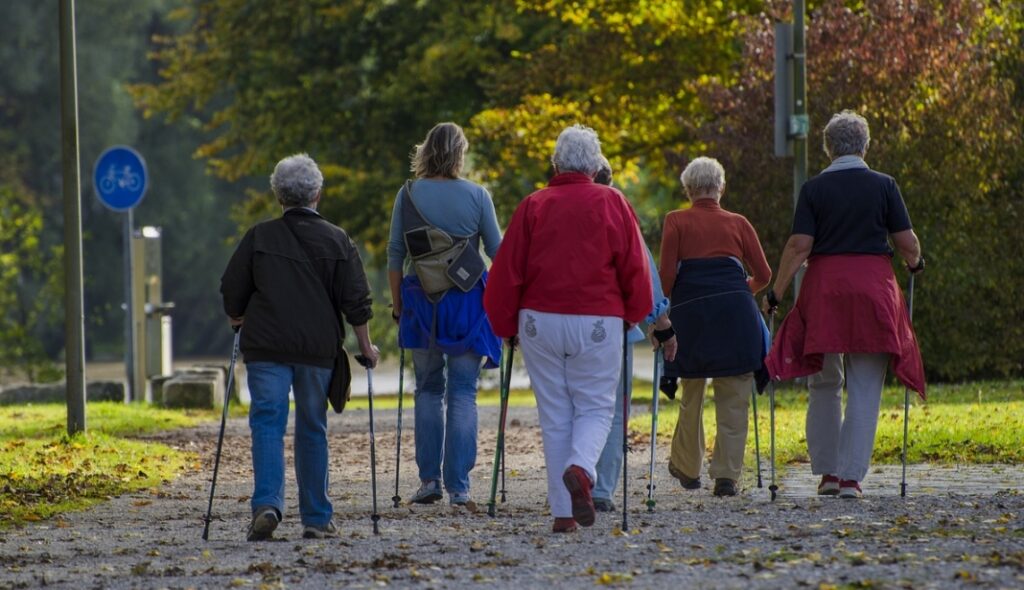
234	85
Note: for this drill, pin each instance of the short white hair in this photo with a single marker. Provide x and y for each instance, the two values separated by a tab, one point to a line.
577	150
846	134
296	181
703	175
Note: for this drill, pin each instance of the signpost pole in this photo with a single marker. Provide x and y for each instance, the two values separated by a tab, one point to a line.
74	304
801	120
129	341
120	179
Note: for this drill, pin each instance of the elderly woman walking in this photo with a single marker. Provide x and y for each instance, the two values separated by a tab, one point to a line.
571	268
288	283
663	337
850	310
441	321
705	254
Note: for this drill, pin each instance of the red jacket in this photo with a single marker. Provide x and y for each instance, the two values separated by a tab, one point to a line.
847	303
571	248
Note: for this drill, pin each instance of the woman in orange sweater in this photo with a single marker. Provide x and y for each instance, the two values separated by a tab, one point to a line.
706	252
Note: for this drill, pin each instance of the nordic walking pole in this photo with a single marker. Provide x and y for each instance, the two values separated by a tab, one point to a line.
499	445
757	437
397	499
223	424
362	360
505	405
654	429
626	382
508	390
906	396
772	487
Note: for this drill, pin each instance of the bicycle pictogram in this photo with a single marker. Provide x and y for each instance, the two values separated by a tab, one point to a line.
127	179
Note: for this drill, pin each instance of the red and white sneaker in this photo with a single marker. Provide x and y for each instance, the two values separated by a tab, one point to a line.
829	485
849	489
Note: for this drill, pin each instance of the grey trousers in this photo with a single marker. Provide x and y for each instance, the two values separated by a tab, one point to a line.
840	444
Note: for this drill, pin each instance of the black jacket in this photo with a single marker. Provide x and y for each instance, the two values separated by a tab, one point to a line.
289	315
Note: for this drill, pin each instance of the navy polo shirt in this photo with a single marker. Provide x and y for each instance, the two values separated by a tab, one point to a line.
850	212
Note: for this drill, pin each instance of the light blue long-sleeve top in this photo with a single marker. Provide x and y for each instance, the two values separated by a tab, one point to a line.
659	302
458	206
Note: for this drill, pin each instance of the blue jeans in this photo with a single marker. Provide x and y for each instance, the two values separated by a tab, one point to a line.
609	465
269	384
446	380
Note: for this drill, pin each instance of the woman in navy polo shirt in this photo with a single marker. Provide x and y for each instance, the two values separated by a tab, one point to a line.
850	308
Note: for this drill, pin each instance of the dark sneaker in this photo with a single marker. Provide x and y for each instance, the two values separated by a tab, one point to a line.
689	483
429	492
564	525
668	386
311	531
264	521
578	483
849	489
829	485
724	487
603	505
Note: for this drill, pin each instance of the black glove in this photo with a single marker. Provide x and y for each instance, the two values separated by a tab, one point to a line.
668	386
773	301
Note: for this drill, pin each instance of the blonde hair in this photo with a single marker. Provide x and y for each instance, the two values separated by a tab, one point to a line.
702	176
442	153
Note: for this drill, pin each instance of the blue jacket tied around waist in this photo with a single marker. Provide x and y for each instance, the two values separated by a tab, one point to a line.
719	328
456	324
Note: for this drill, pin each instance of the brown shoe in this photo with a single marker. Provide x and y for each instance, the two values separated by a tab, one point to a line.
724	487
689	483
578	483
564	525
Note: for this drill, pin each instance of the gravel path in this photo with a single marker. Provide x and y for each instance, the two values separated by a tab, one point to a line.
958	528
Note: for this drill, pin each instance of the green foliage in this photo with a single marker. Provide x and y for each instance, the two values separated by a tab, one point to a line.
113	41
967	423
932	80
29	285
48	473
355	84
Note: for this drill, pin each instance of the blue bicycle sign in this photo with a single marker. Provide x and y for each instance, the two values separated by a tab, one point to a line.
120	178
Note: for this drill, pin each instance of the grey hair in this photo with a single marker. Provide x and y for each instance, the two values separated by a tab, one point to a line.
703	175
442	153
577	150
846	134
296	181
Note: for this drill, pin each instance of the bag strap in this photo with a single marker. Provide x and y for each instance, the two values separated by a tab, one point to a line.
412	218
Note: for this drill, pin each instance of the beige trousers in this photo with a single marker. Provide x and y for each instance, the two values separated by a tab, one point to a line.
732	400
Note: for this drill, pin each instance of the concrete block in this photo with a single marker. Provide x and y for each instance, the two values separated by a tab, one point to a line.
192	391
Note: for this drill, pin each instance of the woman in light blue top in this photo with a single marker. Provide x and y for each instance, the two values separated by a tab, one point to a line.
610	463
448	336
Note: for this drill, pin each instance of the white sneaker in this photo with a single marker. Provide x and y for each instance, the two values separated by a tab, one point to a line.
319	532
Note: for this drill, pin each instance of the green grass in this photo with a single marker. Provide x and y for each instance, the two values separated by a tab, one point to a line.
44	472
966	423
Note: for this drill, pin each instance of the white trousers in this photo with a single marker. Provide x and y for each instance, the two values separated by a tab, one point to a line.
841	444
574	362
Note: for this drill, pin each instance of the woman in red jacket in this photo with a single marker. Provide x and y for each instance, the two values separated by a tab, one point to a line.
571	267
